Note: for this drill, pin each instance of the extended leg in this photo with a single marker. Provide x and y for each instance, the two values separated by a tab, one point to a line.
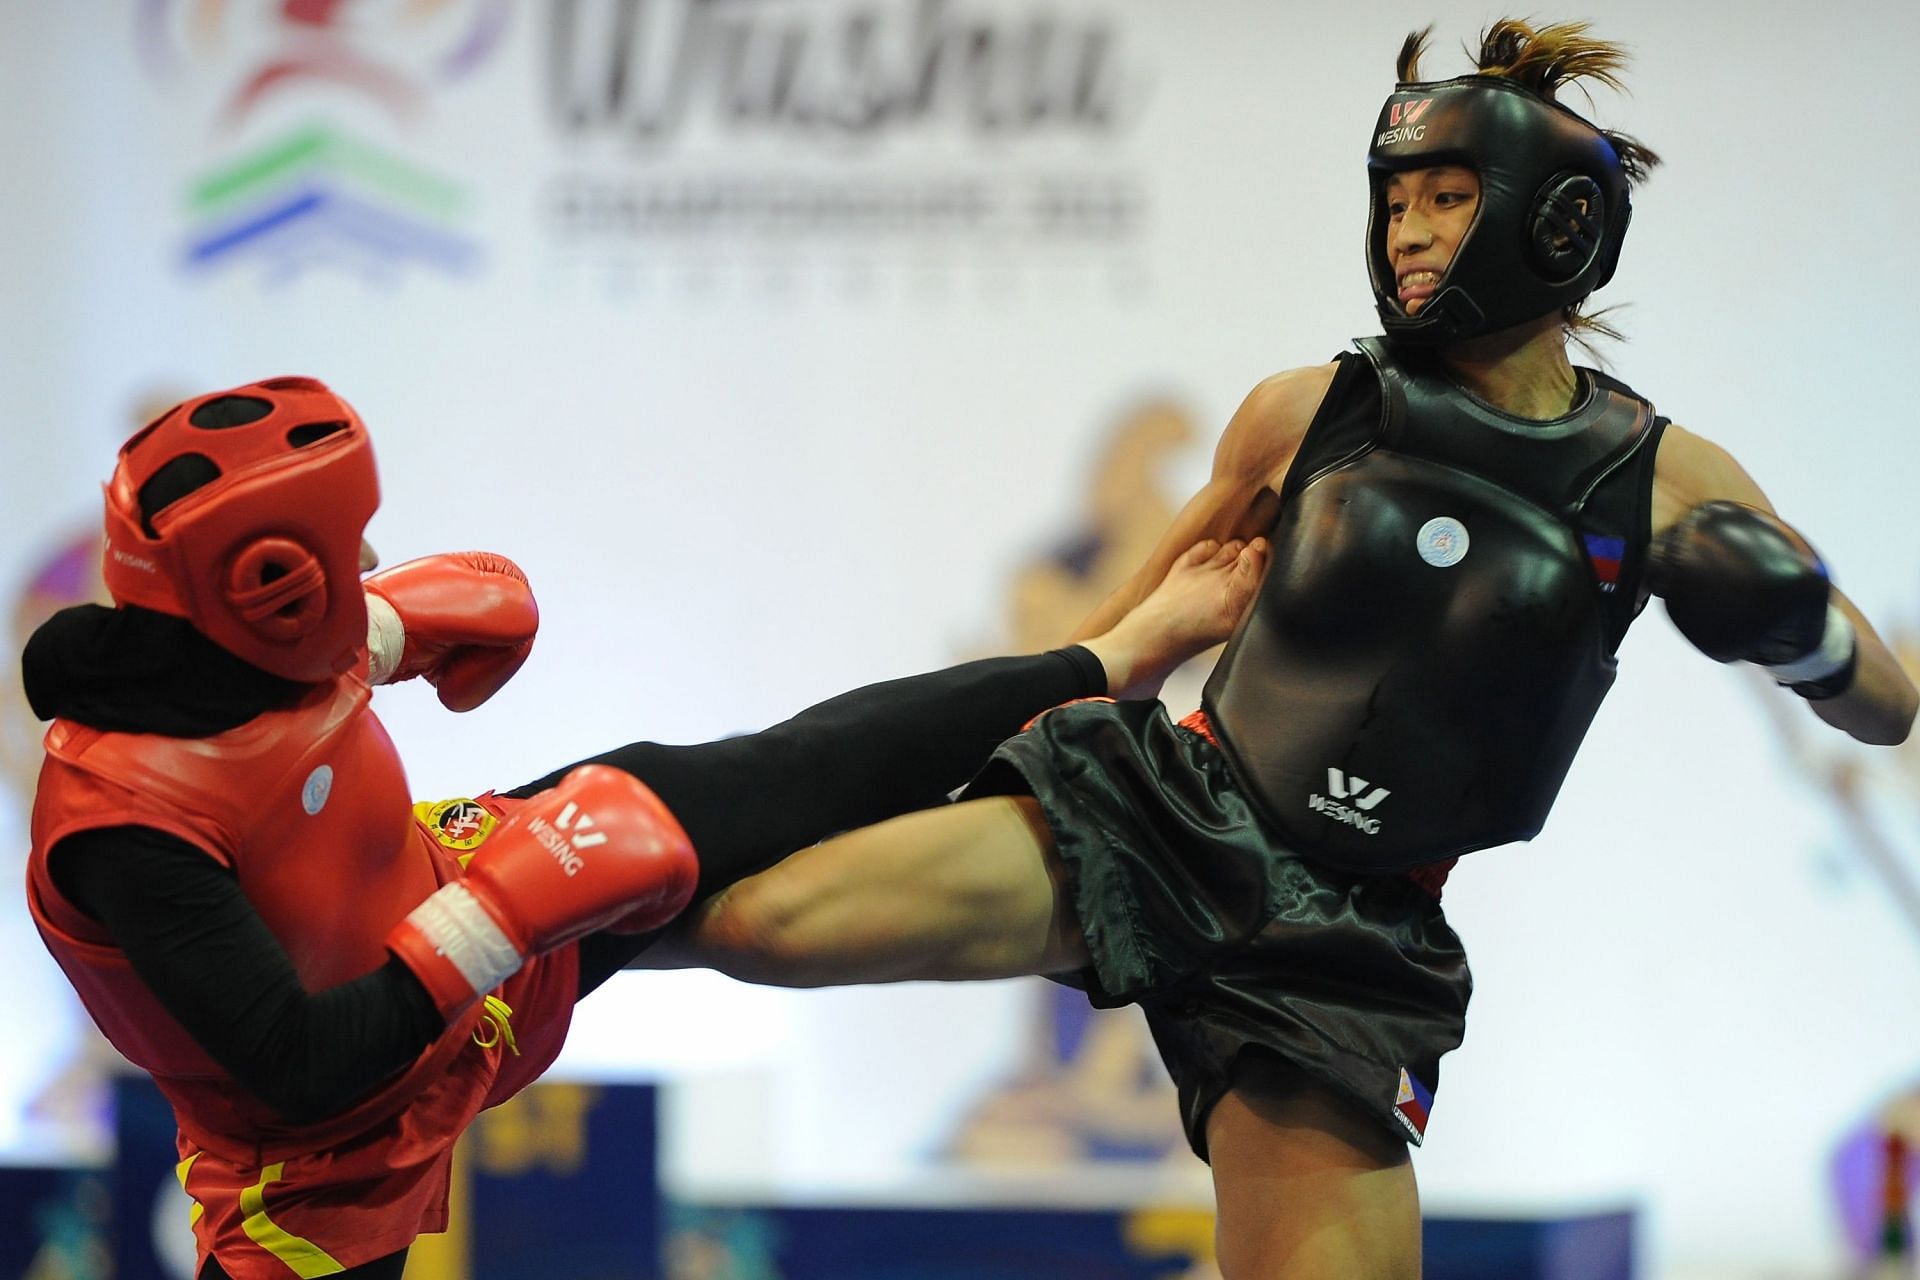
848	762
895	747
903	745
967	891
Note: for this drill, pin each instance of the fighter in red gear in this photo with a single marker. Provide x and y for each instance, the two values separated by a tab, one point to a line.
226	865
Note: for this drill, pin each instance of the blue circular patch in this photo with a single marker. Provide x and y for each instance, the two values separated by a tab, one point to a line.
319	785
1442	542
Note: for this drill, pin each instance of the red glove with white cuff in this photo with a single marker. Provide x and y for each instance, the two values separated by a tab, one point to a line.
464	620
597	849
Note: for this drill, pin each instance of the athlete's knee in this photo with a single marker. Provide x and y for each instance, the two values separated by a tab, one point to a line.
762	930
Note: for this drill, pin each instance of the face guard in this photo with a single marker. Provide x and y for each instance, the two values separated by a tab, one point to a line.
243	512
1553	207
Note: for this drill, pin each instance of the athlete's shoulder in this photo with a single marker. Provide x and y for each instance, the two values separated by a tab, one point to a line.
1266	430
1689	460
1691	469
1292	393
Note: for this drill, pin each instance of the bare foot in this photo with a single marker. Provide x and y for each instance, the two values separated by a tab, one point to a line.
1196	606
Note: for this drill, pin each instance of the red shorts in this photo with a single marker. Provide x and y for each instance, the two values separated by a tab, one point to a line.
355	1201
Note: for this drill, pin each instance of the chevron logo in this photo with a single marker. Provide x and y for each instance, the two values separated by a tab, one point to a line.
321	199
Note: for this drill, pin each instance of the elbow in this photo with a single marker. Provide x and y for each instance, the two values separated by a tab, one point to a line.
1900	723
1889	726
1887	735
1897	728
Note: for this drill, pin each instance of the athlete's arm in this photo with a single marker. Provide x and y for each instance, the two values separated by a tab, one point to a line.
1240	499
1878	705
199	945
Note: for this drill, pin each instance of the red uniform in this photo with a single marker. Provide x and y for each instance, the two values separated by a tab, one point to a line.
308	807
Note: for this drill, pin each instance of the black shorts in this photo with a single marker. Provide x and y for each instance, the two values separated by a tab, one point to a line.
1193	909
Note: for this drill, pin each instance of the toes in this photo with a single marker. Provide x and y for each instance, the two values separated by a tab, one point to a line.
1201	551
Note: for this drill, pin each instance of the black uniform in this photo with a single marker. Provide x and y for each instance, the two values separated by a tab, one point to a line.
1449	586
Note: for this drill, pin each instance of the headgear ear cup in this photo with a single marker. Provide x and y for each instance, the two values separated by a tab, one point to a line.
1618	219
279	588
1568	226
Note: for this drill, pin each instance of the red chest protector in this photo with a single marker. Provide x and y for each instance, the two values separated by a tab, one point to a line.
308	806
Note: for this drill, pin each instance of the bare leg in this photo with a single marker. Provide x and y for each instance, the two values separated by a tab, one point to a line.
968	891
1307	1187
959	892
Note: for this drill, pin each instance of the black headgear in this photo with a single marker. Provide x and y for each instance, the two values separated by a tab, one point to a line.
1532	249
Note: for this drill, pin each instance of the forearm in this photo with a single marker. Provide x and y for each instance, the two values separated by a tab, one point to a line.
1743	585
1230	508
1878	706
198	944
319	1053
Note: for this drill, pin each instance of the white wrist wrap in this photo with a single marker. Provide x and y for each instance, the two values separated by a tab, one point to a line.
1835	651
460	929
386	640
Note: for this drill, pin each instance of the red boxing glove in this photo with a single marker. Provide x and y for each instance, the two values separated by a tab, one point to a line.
597	848
464	620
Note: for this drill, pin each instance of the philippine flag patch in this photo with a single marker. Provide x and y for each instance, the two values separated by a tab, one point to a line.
1412	1103
1606	554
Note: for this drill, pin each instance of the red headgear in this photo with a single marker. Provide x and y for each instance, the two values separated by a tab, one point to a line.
242	511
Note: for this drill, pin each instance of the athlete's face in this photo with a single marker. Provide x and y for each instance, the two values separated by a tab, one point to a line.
1428	214
369	558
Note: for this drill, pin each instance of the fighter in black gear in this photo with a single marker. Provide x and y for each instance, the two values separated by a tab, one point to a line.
1464	524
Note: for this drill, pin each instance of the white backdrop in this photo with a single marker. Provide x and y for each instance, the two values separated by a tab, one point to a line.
781	410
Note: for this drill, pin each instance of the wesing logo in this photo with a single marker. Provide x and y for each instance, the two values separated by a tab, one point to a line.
317	195
1402	123
566	848
1342	788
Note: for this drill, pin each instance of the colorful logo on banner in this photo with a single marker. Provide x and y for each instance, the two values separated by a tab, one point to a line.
319	194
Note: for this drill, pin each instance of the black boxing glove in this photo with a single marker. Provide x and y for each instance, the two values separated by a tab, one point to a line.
1744	587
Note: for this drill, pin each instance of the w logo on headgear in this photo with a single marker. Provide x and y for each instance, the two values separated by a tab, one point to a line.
1399	113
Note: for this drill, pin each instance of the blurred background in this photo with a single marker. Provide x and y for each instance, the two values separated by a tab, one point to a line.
795	344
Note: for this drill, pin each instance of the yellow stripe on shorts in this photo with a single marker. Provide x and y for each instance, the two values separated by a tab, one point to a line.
180	1172
303	1257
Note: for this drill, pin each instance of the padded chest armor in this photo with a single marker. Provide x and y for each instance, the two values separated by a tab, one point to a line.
308	806
1391	701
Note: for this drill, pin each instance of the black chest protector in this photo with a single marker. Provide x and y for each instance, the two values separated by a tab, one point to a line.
1448	587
